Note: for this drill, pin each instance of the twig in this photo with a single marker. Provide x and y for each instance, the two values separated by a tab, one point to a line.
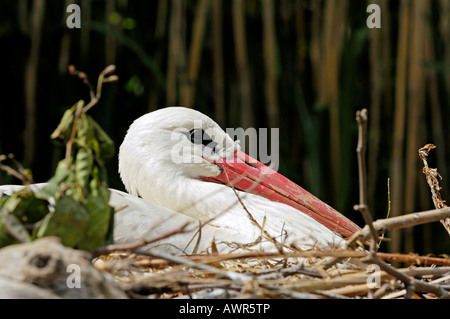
250	216
132	246
184	261
95	97
361	118
71	140
388	212
403	221
411	283
432	176
414	259
371	230
19	173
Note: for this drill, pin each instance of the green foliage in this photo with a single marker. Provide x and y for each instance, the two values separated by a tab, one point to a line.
73	204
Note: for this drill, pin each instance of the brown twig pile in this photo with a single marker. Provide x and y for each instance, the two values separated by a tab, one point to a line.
352	272
302	274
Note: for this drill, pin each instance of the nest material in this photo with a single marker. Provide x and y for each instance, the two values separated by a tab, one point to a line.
274	275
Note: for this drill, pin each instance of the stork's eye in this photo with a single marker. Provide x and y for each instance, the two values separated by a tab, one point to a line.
198	136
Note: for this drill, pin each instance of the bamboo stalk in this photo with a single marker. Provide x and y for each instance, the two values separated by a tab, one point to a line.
31	70
300	40
436	112
161	16
335	24
195	51
160	52
218	69
270	46
176	61
64	52
399	120
316	47
110	42
22	15
444	27
379	54
416	94
376	62
239	32
85	32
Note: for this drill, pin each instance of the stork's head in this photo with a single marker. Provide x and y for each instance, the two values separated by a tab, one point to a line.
176	141
172	146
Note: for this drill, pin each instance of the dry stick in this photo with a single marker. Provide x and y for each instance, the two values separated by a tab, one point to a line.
410	283
432	179
250	216
361	118
94	100
195	50
414	259
71	140
184	261
132	246
388	212
403	221
19	173
407	258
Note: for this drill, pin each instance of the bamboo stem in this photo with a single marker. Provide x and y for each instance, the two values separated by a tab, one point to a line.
31	70
176	60
64	52
240	41
379	78
218	69
110	42
399	119
195	50
416	95
334	27
270	46
85	32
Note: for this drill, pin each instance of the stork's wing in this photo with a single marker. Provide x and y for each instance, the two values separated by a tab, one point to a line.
137	219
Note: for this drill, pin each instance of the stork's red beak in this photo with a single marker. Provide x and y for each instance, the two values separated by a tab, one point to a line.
247	174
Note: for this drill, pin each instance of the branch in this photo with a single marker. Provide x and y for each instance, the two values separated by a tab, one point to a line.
411	283
361	118
132	246
20	173
370	231
95	97
432	176
402	221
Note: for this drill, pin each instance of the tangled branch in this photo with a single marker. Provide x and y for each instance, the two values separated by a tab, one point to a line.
433	178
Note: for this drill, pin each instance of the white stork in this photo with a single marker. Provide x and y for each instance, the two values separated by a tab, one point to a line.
180	159
179	166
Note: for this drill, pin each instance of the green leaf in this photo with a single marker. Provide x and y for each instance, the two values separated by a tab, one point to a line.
69	221
84	131
84	162
106	144
62	133
99	220
31	209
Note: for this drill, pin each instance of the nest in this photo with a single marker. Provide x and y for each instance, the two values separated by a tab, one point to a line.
314	274
358	270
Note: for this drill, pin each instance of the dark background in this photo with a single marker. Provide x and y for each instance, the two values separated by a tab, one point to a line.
305	66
